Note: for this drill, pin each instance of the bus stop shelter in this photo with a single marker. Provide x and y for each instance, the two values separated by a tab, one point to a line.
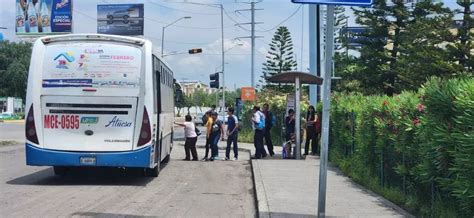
297	78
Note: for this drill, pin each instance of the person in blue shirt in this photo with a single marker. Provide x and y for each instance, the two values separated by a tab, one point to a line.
232	134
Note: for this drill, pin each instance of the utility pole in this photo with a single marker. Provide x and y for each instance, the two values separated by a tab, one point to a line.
252	71
223	60
252	38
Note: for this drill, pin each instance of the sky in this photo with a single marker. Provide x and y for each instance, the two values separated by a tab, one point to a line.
203	30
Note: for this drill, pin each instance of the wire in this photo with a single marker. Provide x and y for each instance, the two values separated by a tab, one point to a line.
237	23
186	27
283	21
177	42
184	11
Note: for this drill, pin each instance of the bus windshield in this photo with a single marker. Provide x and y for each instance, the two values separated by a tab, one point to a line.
91	64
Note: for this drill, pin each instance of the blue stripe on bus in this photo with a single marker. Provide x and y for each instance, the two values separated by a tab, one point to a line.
44	157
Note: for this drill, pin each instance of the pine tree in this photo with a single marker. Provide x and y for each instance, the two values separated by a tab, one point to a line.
461	48
280	57
402	46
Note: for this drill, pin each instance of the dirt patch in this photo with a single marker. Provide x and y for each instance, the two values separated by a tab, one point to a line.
8	142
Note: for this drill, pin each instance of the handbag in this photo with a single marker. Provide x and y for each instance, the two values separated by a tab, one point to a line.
198	132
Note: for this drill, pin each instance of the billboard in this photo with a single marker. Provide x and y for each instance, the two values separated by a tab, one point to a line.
353	35
43	17
120	19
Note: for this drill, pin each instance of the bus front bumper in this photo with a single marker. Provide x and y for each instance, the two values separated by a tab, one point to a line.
44	157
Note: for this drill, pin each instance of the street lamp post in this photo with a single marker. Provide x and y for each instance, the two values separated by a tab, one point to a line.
163	33
222	40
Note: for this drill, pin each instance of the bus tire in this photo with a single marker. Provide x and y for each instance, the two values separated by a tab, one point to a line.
152	172
59	171
167	159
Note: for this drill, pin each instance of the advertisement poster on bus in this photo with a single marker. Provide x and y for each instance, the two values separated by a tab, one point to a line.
92	65
120	19
44	17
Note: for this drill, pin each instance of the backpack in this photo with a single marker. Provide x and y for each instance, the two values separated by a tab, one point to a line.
261	124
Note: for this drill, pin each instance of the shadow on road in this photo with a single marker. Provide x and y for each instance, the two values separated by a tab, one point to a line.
85	176
93	214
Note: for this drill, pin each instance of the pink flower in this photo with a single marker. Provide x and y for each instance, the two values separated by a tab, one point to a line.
385	103
420	107
416	122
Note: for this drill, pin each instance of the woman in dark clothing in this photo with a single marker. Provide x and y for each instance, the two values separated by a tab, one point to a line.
311	118
290	125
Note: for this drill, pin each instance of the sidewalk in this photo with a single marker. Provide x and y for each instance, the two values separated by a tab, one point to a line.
289	188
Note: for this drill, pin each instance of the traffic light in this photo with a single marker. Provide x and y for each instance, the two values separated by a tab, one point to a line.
214	80
195	50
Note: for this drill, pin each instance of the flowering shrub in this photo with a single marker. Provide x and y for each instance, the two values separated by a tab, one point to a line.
419	144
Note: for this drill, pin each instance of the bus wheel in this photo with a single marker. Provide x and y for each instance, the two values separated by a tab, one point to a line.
59	171
152	172
167	159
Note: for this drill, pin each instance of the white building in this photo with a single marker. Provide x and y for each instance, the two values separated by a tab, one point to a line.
191	86
11	105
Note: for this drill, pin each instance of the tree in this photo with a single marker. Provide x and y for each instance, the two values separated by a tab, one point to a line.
280	57
460	50
14	64
402	46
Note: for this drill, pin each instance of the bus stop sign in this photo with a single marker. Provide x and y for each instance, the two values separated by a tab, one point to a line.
336	2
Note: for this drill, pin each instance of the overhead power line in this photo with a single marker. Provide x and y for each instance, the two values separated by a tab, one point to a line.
180	10
283	21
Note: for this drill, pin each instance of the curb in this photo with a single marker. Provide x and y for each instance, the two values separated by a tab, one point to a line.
12	121
261	200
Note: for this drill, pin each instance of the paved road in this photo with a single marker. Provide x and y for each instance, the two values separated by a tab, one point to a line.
16	132
183	188
12	132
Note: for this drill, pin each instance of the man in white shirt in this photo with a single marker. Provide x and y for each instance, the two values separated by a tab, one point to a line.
191	138
257	119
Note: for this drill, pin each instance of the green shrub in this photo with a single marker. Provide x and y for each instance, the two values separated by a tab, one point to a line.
416	149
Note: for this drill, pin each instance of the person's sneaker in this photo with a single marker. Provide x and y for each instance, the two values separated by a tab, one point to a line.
235	159
204	159
226	158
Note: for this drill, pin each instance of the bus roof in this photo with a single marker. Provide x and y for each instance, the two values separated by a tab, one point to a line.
98	37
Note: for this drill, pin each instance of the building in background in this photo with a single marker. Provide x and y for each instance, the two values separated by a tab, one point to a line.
191	86
11	105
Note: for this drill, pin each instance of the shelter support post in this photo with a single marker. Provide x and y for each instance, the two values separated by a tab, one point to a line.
297	118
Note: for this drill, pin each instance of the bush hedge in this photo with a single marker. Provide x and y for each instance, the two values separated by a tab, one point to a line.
416	149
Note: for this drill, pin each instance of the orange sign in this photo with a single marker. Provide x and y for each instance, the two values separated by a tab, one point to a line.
247	94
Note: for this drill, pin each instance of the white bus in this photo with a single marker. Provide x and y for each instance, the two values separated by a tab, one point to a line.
98	100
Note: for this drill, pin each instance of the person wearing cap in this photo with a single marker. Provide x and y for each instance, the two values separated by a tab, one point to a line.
217	132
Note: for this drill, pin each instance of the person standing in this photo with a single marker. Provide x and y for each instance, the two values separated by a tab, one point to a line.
258	124
290	125
191	138
232	134
209	122
311	117
268	127
217	132
289	134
